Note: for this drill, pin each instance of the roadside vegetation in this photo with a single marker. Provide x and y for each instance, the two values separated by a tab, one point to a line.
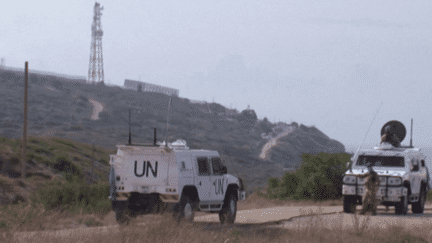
59	182
318	178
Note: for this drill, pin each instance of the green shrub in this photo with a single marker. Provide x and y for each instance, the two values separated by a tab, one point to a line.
63	164
429	196
319	178
74	195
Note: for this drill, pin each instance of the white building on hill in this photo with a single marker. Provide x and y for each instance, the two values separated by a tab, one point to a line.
147	87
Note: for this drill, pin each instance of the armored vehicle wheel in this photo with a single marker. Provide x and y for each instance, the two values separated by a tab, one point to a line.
122	212
229	210
349	204
401	208
185	211
418	207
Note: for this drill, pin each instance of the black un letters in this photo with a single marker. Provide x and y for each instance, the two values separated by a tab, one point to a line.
146	167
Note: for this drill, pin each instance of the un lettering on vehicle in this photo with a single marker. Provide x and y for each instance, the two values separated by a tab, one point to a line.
219	186
146	168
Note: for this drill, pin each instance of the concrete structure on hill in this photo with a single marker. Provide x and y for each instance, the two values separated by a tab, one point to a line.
147	87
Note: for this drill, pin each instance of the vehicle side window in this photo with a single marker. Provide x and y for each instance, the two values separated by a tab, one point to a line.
217	166
203	166
415	164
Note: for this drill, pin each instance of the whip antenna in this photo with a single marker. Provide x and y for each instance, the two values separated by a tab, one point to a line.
356	153
166	128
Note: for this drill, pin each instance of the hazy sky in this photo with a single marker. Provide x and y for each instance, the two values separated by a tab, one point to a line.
323	63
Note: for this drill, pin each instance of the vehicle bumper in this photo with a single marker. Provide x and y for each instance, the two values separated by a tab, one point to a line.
391	194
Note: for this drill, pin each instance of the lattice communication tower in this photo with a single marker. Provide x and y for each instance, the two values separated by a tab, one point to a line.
96	71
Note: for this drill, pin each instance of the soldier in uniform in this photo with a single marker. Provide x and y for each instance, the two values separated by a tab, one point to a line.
372	183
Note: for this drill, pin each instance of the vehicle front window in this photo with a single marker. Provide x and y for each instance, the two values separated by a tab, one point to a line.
384	161
217	166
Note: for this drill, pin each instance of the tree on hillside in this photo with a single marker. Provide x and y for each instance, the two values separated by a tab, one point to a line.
265	126
247	118
217	108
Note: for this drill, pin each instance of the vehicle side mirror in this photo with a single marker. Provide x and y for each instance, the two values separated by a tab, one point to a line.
224	170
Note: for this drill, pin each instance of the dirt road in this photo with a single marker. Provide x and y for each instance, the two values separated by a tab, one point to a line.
273	142
97	108
288	217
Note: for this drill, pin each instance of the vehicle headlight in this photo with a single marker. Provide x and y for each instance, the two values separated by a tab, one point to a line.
349	179
394	181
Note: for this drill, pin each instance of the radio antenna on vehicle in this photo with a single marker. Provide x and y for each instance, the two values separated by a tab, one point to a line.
358	150
130	134
411	145
166	128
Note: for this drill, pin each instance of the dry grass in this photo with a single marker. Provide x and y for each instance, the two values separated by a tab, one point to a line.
311	226
162	228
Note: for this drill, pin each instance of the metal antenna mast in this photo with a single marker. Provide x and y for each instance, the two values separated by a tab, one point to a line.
96	71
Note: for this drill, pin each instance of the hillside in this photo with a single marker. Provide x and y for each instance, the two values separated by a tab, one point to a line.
61	108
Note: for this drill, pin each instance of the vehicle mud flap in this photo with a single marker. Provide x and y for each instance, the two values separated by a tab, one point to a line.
112	193
418	207
122	212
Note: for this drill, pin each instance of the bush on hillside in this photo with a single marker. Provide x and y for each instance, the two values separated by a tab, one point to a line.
319	178
63	164
265	126
74	194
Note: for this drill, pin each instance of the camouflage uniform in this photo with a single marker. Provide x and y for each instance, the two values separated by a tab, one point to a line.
372	183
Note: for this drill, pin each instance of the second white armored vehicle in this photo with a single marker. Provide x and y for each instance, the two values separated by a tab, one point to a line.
402	170
148	178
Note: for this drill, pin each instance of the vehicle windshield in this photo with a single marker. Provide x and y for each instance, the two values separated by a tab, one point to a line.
384	161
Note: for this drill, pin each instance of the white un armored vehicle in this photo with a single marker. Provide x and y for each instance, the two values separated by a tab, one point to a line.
150	178
402	170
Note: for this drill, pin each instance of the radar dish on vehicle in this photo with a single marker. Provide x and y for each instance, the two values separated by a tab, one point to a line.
393	132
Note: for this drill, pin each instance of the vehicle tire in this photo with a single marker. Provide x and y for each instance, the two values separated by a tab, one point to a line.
401	208
418	207
185	211
349	204
122	212
229	210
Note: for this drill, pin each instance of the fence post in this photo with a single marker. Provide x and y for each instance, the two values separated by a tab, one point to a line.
24	145
92	179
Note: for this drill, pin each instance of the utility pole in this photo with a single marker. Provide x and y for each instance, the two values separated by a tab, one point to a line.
93	159
24	145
